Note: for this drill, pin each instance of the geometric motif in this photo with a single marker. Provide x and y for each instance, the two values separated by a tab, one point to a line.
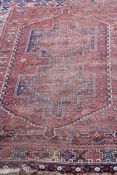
55	86
58	87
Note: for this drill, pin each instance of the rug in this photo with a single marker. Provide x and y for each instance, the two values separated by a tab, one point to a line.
58	80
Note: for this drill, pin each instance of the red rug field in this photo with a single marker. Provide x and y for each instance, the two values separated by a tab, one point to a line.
58	80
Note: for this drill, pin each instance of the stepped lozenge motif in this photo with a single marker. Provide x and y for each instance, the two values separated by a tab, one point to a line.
58	87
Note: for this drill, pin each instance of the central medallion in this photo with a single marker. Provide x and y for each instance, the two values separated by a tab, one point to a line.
58	63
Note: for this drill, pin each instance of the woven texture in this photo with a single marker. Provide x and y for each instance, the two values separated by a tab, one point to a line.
58	80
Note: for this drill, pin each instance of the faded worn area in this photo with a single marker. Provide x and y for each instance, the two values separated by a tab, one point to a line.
58	80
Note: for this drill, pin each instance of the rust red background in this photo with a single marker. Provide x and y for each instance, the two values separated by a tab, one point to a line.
58	85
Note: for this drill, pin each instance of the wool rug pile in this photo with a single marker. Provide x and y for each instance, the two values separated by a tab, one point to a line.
58	80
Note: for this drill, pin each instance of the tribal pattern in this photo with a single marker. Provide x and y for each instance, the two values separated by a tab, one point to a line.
58	86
